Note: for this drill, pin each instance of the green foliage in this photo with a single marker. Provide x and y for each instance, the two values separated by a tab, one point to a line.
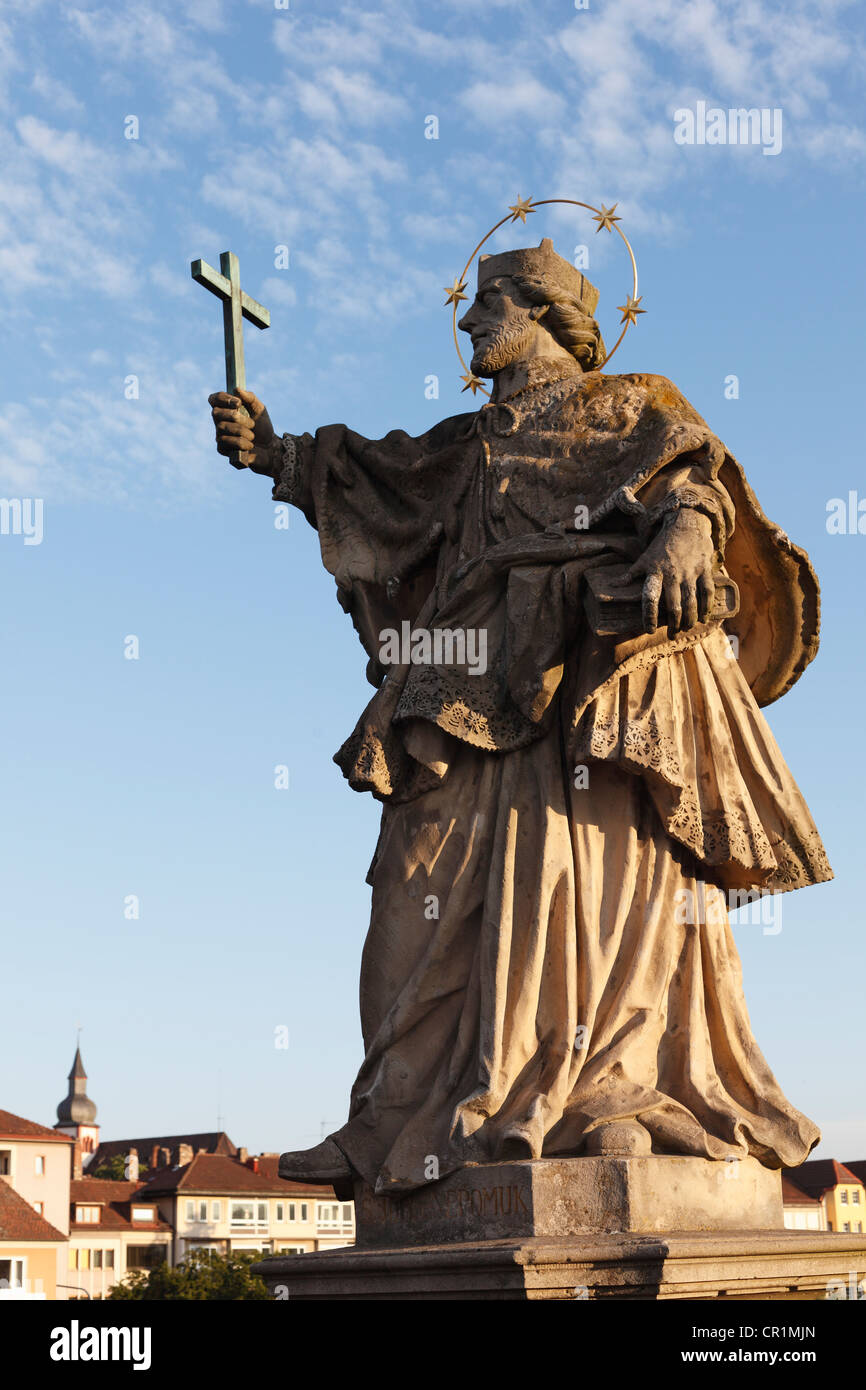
204	1274
115	1169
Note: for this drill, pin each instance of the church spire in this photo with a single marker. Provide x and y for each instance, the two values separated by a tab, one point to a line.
78	1072
76	1113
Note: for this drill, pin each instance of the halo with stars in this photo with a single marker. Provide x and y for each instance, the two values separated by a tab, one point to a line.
518	211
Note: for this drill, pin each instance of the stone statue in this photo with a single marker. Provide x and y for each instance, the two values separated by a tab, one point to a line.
573	608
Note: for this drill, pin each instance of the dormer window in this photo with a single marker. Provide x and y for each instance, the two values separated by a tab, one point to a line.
88	1215
143	1214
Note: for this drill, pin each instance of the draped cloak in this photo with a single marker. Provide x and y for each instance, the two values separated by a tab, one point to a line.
549	952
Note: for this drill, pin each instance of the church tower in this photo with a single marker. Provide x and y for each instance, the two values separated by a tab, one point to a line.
76	1113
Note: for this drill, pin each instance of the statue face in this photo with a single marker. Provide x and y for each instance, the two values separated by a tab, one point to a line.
501	326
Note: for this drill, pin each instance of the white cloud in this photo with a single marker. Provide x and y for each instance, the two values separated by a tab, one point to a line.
279	291
158	447
503	100
57	94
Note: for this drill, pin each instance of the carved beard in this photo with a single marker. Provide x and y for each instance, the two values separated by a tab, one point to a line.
504	347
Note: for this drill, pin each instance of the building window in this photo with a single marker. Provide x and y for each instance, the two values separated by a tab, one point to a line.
347	1213
216	1211
39	1162
846	1226
109	1259
843	1196
859	1225
247	1215
73	1258
190	1211
855	1196
37	1206
143	1214
328	1214
87	1214
202	1211
292	1250
146	1256
5	1162
281	1212
84	1259
292	1211
97	1259
304	1212
12	1274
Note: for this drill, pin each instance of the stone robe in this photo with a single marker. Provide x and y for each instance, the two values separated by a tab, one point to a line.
549	949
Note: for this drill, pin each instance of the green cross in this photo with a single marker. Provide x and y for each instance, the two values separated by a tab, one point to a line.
237	306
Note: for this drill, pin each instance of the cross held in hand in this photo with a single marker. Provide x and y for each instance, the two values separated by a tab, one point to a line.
237	305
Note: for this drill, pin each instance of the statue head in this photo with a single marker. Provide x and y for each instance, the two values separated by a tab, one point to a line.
526	298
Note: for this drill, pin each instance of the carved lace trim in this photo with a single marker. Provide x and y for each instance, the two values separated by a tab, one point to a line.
492	721
287	480
726	837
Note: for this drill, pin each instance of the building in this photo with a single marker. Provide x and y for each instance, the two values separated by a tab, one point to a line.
31	1249
836	1187
113	1231
76	1113
65	1233
163	1150
801	1211
35	1164
215	1202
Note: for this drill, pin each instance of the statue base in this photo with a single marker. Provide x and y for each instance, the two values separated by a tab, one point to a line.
572	1196
638	1227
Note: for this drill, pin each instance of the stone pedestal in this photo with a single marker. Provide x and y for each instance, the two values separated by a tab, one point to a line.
652	1227
572	1196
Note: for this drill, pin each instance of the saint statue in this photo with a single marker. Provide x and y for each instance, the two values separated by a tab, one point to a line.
566	738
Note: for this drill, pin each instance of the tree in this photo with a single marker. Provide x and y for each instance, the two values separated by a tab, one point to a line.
203	1275
116	1168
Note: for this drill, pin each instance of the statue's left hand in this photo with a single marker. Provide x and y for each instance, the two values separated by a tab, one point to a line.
678	565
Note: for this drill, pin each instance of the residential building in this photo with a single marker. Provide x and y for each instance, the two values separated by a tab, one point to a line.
36	1162
65	1233
113	1231
801	1212
31	1249
837	1187
164	1150
216	1202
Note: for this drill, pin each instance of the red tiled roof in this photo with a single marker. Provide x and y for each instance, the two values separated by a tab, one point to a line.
818	1175
214	1173
16	1127
116	1200
793	1196
19	1221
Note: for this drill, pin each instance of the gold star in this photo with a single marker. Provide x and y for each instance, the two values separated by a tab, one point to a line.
606	218
455	291
520	208
629	310
472	382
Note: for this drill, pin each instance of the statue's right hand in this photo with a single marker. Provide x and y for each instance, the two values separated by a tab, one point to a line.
248	431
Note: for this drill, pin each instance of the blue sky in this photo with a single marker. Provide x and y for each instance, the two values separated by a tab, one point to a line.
260	127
